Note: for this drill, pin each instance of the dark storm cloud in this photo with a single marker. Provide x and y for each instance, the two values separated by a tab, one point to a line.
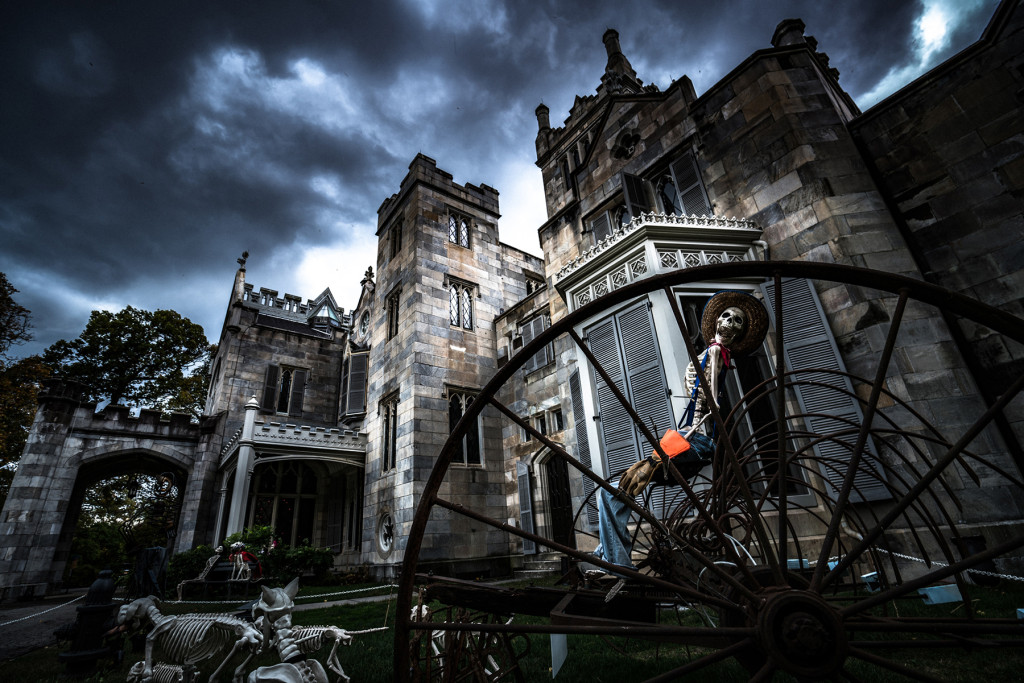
143	146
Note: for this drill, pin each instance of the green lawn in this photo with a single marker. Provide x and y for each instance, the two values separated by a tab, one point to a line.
595	659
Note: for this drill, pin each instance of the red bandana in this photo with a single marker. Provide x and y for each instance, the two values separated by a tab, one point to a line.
725	353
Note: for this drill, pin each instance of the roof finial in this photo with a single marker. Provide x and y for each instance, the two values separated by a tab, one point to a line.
241	261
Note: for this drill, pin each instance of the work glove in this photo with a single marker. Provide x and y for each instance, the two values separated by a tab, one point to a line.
637	477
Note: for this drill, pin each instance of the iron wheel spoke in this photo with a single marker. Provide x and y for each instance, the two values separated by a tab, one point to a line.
862	439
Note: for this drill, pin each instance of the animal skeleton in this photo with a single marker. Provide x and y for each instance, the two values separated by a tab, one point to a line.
189	638
294	644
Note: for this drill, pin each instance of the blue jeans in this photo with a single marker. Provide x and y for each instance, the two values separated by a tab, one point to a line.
613	531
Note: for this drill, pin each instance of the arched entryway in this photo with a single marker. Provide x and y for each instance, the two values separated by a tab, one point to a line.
143	492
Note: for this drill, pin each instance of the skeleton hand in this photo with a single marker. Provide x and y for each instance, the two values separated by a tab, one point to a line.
637	477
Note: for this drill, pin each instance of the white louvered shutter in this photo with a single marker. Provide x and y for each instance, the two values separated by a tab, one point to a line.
809	344
646	377
635	195
579	417
525	506
690	186
626	346
602	226
616	427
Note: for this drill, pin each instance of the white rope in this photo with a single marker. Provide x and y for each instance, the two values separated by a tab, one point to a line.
368	630
943	564
935	563
300	597
39	614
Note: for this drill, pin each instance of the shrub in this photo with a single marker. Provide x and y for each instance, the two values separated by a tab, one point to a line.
284	564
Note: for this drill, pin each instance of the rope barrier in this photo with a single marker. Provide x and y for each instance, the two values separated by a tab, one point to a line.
368	630
936	563
297	598
943	564
39	614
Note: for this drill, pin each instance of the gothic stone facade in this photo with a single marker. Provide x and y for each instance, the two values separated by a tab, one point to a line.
326	423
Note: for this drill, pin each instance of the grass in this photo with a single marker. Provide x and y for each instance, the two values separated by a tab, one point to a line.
595	659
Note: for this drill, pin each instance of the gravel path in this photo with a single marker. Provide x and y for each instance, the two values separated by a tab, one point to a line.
34	623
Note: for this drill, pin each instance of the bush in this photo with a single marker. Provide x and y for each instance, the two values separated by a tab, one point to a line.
258	540
280	565
284	564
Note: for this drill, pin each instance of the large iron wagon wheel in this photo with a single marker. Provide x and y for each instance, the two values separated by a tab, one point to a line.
809	584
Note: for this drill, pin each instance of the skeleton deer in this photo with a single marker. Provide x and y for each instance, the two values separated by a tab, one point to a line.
189	638
273	614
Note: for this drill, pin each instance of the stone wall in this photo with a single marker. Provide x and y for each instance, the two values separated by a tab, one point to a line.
948	154
773	144
429	357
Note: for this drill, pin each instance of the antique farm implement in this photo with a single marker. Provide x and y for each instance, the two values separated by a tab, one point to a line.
776	555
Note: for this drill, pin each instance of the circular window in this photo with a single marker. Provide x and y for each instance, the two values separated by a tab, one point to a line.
385	534
364	323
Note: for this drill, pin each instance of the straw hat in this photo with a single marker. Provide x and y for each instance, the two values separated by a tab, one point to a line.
757	319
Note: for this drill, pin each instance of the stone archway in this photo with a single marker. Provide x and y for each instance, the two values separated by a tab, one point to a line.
70	446
99	468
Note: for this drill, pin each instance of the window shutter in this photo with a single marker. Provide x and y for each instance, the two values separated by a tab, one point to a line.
528	335
355	401
579	417
525	506
616	427
635	194
298	388
809	344
602	226
646	377
473	438
531	331
270	388
690	186
344	388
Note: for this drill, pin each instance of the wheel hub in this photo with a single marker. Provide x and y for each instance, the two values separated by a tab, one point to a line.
802	634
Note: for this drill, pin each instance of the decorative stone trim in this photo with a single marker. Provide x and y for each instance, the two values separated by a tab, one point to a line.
652	219
634	268
671	259
271	433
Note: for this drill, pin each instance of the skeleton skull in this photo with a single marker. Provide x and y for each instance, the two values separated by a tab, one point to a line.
731	324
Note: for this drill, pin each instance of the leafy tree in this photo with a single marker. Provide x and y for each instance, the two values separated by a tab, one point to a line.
19	382
14	319
138	358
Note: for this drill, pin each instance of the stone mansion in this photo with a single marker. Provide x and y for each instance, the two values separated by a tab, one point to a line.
325	421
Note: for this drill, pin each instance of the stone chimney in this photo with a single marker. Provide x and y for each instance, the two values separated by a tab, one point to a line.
543	120
617	62
789	32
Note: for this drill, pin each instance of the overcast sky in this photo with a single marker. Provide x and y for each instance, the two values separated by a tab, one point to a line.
145	145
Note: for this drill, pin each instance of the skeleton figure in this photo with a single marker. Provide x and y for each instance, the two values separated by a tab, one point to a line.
240	570
188	638
213	559
730	326
293	644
